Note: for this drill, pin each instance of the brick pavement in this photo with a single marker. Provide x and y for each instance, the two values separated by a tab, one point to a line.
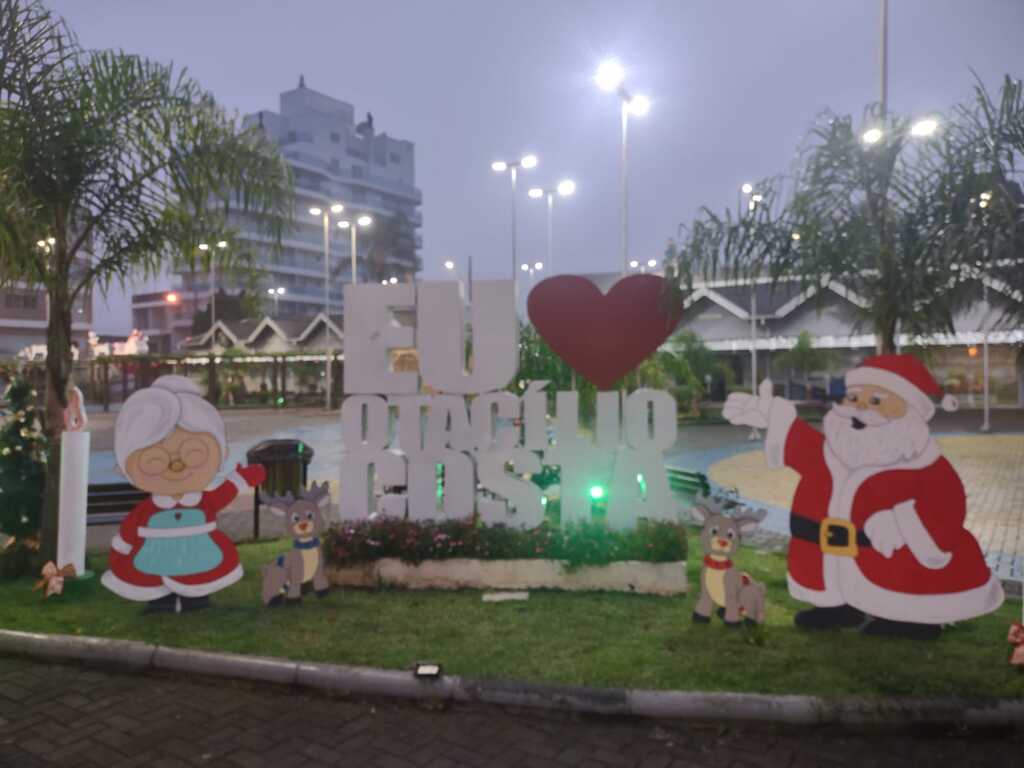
990	467
54	715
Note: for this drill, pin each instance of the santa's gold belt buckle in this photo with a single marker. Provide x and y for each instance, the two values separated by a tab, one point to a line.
833	528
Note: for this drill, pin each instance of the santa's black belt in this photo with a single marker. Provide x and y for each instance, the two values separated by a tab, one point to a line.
832	535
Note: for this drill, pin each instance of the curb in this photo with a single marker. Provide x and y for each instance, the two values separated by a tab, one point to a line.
367	681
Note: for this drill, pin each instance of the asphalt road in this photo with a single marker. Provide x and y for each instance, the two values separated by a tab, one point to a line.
55	715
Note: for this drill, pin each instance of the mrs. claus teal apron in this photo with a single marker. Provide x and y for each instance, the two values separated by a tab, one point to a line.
166	552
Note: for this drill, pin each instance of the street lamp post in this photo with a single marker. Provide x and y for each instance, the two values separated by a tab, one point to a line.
336	208
500	166
352	227
221	245
610	77
276	294
565	188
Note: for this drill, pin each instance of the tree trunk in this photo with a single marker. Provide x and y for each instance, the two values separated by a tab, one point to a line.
58	375
885	336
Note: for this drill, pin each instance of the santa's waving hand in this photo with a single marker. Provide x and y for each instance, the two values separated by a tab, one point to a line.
877	520
750	410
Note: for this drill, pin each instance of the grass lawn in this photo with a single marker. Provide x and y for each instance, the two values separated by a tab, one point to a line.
588	639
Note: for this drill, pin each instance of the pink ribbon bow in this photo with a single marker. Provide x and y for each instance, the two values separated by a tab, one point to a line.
1016	639
53	578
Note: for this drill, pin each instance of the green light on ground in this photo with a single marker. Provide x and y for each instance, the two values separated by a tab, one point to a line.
596	492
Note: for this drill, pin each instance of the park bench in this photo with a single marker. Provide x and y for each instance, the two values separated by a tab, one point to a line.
688	484
110	503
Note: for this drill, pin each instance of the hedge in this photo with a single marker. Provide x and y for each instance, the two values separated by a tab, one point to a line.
578	544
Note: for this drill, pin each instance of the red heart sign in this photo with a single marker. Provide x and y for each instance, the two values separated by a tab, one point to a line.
602	336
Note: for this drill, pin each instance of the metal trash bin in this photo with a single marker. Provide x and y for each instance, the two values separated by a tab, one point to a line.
287	464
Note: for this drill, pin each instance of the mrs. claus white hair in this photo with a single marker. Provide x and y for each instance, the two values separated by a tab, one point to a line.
150	415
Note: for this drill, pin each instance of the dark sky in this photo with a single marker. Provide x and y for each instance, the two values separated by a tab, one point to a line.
734	84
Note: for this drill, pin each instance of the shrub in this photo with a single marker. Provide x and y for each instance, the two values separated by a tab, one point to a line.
22	459
577	544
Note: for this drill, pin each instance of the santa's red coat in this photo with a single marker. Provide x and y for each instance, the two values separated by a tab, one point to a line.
129	582
939	576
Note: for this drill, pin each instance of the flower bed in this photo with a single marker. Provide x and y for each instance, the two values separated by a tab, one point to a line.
455	554
575	544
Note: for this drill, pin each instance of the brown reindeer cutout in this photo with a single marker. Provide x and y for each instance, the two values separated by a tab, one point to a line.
284	579
738	597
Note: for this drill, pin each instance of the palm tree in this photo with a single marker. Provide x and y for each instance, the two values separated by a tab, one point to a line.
104	149
895	220
805	358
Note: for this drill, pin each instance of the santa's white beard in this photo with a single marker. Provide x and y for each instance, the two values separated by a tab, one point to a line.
880	443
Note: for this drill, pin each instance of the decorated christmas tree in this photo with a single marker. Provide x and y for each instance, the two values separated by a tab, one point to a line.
22	458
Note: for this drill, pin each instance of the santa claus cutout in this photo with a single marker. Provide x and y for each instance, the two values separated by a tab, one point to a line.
877	522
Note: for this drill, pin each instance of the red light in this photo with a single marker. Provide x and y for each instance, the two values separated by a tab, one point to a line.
172	298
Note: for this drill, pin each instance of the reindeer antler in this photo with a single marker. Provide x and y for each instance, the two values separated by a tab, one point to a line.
316	492
729	504
279	501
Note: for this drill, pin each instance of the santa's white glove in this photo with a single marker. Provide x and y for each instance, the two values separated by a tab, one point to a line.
748	410
884	532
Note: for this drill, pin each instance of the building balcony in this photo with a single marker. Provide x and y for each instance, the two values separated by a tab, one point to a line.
317	164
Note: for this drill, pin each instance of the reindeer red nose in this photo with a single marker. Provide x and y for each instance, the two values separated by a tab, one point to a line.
724	543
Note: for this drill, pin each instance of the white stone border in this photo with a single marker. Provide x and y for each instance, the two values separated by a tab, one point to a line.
464	573
854	711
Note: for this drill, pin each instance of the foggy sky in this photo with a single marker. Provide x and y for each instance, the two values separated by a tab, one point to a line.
734	85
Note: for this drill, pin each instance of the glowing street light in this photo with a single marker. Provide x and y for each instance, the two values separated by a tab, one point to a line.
872	136
633	264
276	294
526	162
172	298
639	106
337	208
652	263
449	265
925	127
610	77
747	188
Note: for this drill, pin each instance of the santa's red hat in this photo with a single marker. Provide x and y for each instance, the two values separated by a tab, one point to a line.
905	376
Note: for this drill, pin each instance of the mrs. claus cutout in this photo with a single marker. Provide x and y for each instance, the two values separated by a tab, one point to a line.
170	442
877	522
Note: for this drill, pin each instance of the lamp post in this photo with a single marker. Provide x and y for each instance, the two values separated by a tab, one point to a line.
610	77
500	166
565	188
276	293
336	208
362	221
204	247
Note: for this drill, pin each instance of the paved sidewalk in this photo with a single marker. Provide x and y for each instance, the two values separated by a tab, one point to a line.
53	715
